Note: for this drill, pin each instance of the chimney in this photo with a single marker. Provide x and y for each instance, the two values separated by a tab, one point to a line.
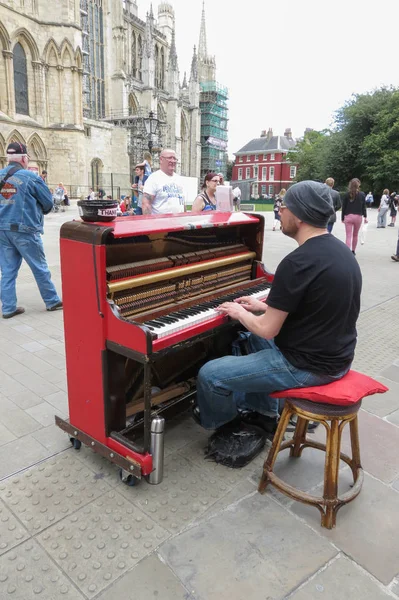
288	133
263	133
270	133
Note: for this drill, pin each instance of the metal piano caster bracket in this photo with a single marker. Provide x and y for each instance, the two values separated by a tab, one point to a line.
127	478
75	443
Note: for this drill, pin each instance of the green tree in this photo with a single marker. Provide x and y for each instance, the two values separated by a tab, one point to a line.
229	170
311	155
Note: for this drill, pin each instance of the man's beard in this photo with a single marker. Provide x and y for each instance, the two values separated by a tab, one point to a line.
290	228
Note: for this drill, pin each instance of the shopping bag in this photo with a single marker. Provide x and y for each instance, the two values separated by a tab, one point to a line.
363	232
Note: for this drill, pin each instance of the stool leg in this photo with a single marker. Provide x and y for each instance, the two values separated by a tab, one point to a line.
299	437
331	471
356	464
273	452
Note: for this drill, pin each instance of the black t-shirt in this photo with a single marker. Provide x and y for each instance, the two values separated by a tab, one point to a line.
319	285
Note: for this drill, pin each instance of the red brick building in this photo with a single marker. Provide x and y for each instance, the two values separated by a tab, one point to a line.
261	168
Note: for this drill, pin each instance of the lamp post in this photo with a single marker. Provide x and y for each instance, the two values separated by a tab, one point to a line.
151	124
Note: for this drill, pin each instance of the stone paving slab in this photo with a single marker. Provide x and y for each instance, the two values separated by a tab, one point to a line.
383	404
20	454
27	573
344	580
101	541
12	532
367	529
151	579
48	492
52	438
253	550
184	494
103	468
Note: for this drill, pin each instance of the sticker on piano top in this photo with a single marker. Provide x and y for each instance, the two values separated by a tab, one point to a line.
107	212
200	225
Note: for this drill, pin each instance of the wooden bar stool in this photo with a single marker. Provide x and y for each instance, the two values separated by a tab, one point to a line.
333	405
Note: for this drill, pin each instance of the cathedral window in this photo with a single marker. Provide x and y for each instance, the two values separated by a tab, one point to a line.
134	55
157	67
139	58
93	58
20	80
162	70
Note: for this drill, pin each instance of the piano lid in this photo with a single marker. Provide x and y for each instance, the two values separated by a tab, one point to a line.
141	225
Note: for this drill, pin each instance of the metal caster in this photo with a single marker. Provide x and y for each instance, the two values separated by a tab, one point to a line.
75	443
128	478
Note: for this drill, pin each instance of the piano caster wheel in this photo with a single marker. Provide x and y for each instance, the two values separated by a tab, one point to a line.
75	443
128	478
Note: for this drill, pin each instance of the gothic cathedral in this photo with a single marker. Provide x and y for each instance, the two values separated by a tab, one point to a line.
89	87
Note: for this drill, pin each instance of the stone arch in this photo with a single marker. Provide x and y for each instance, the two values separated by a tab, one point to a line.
67	54
78	58
15	136
51	53
133	104
25	38
96	168
184	135
5	40
37	152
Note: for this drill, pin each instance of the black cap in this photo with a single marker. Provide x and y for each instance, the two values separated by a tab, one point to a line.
311	202
16	148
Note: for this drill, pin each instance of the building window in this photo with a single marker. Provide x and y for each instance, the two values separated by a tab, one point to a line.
271	190
239	174
93	58
255	190
96	167
292	172
263	188
248	158
256	157
271	173
248	173
240	159
255	172
264	173
272	156
87	131
265	157
20	80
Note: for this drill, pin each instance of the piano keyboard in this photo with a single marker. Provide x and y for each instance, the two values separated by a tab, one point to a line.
195	315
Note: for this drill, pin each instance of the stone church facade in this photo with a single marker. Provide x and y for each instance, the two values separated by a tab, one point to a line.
79	80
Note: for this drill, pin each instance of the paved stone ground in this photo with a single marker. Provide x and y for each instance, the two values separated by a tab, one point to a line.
70	529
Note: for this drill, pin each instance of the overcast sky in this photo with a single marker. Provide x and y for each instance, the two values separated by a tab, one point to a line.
289	63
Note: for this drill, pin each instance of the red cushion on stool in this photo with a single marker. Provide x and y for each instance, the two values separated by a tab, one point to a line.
350	389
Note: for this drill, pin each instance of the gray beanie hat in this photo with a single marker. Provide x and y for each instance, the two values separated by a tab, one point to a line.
311	202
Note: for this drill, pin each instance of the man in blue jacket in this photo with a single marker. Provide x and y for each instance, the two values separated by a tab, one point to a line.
24	199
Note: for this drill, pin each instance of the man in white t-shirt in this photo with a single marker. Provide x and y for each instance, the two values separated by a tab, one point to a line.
237	198
163	191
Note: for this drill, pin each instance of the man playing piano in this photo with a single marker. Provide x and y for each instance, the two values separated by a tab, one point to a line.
163	192
305	333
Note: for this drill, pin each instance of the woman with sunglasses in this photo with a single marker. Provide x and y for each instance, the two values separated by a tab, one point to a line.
206	200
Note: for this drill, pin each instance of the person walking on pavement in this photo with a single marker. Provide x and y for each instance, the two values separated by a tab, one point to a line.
336	198
353	208
383	210
24	199
393	205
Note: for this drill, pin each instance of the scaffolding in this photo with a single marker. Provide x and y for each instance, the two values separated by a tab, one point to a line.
214	118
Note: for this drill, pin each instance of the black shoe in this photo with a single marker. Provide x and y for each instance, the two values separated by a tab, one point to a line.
268	424
19	311
354	253
57	306
195	412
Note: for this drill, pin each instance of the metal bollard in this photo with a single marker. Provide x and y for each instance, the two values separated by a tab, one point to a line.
156	449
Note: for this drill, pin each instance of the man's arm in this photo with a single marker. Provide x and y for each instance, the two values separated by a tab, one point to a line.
42	195
146	205
266	326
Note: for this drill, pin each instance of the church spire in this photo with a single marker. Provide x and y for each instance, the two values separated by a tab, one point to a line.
202	50
194	66
173	53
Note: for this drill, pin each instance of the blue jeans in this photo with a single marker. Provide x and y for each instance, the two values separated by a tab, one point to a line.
221	382
14	246
138	210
